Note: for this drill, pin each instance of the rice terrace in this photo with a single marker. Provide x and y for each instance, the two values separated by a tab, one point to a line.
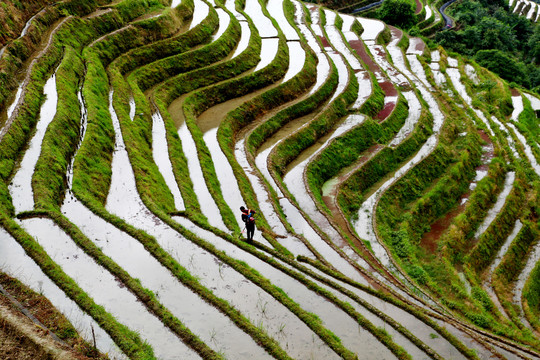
394	179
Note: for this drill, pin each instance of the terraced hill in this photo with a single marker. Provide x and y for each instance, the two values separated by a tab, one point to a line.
396	186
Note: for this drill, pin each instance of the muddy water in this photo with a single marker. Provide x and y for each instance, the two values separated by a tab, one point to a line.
227	179
160	153
315	20
351	335
428	12
217	331
264	201
343	75
297	58
21	184
465	338
498	258
455	77
526	147
511	142
82	132
132	108
269	48
379	54
263	24
244	39
200	12
275	8
334	36
372	28
501	199
364	80
206	201
418	70
231	6
224	281
415	109
435	67
323	65
532	261
104	288
535	102
224	21
11	108
471	74
301	226
517	103
15	262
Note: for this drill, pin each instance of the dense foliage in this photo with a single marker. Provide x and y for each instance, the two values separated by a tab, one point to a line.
398	12
505	43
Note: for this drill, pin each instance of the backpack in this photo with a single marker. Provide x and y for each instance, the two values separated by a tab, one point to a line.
247	217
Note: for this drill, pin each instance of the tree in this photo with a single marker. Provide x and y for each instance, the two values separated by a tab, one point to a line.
504	65
398	12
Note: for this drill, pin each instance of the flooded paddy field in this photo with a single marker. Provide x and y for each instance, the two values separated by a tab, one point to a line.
121	204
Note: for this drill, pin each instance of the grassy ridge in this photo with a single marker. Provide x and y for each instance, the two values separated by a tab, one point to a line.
353	190
61	138
137	134
199	101
287	150
130	342
465	224
173	88
492	239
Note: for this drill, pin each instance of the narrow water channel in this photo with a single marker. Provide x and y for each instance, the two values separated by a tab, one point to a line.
15	262
224	281
21	184
200	12
351	334
498	258
160	153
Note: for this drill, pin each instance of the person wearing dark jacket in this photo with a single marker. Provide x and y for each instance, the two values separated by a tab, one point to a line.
249	219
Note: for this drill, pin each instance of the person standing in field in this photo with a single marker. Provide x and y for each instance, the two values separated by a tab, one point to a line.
249	219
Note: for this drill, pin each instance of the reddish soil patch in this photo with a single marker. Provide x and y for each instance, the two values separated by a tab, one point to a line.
387	87
386	111
358	47
430	240
418	7
419	44
515	92
325	42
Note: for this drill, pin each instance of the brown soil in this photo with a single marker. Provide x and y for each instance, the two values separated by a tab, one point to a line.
21	338
418	7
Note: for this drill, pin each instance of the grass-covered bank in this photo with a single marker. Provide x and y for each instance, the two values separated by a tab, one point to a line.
130	342
61	139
